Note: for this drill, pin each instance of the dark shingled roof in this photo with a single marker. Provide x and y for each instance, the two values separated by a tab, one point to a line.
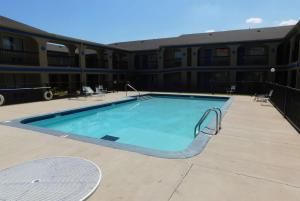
271	33
12	24
4	21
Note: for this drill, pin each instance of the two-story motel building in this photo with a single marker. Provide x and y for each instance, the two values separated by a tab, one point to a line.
33	57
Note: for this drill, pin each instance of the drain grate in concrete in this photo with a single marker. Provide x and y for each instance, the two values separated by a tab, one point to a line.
57	178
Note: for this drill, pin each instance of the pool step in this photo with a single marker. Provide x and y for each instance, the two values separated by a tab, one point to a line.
141	98
110	138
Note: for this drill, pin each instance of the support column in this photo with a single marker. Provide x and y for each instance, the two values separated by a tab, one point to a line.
184	57
194	80
72	51
233	55
131	61
183	74
43	59
194	74
42	45
233	62
160	80
110	67
272	54
82	65
289	77
183	80
130	77
81	49
194	56
45	79
110	59
160	76
232	76
292	47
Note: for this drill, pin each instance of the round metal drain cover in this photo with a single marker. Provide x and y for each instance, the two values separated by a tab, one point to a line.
57	178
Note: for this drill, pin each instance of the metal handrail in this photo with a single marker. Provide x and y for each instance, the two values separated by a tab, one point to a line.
134	89
220	116
218	113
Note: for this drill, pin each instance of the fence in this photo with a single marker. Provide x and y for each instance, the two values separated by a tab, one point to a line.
284	98
287	101
242	87
18	57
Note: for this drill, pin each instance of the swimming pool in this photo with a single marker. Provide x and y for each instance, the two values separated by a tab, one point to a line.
155	124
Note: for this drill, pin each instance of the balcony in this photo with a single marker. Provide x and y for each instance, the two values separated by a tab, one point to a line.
146	61
147	65
121	65
172	63
256	60
15	57
62	60
94	62
214	61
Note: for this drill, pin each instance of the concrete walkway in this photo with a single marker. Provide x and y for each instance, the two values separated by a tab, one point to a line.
256	156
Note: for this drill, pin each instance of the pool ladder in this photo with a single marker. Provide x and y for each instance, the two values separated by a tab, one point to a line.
134	89
218	113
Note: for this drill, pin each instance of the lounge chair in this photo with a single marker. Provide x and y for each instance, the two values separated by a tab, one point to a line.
87	91
263	97
100	90
232	89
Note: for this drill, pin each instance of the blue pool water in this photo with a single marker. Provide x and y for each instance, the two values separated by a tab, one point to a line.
159	122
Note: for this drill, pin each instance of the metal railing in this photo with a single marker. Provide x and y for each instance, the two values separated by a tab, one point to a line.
94	62
287	101
218	113
134	89
242	87
147	65
214	61
17	57
172	63
253	60
220	116
62	60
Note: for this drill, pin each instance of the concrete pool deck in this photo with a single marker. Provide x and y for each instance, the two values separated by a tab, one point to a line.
256	156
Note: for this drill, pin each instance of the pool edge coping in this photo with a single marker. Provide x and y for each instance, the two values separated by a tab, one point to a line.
195	148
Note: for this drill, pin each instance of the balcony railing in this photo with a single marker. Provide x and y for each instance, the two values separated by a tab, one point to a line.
172	63
247	60
96	63
15	57
147	65
120	64
214	61
62	60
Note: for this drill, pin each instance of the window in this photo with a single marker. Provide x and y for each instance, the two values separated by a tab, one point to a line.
7	43
152	57
172	57
178	54
222	52
256	51
10	43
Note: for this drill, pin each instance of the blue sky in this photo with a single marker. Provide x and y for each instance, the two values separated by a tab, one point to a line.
107	21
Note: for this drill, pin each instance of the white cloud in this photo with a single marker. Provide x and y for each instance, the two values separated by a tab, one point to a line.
254	20
210	30
288	22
